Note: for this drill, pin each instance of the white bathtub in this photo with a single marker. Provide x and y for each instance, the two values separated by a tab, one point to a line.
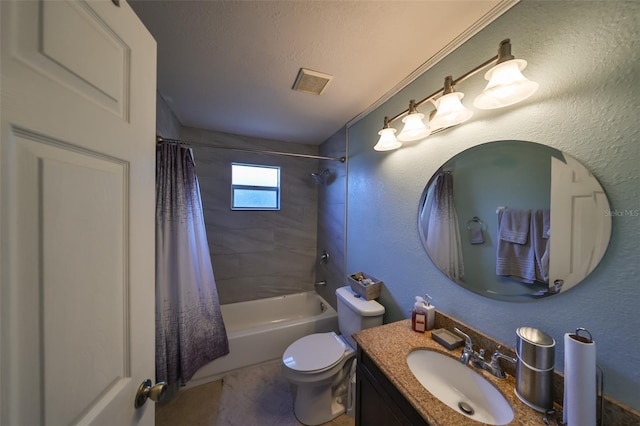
260	330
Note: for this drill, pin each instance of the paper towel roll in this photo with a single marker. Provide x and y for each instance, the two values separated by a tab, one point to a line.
580	395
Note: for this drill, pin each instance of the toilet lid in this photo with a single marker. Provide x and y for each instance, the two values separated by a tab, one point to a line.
314	352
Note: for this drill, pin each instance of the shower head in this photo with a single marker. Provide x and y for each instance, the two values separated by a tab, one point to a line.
319	177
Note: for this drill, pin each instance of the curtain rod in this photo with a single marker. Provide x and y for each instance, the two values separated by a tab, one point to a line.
160	139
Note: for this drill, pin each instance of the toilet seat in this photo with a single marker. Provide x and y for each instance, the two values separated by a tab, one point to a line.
315	352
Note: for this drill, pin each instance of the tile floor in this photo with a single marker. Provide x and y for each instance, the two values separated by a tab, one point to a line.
198	406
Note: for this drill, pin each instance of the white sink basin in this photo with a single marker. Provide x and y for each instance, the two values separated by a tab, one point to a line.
461	388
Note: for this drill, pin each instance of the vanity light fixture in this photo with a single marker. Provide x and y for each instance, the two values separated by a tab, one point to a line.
507	86
414	128
388	140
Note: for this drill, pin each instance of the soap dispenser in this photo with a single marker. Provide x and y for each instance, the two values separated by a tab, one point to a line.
419	316
430	312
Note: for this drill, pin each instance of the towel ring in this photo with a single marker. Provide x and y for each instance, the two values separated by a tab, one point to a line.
476	220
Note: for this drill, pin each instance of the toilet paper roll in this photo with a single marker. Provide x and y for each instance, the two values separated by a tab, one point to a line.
580	396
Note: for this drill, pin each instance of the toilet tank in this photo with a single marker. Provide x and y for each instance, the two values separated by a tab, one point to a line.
355	313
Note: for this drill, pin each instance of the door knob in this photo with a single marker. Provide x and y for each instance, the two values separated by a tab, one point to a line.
147	390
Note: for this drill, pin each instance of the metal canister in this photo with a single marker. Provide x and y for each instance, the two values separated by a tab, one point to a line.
535	350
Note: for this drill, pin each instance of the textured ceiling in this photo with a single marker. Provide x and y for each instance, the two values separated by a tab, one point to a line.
230	65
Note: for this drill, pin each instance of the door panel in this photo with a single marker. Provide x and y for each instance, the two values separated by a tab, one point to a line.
580	229
48	42
77	167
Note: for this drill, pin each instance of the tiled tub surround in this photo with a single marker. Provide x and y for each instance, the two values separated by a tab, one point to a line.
258	254
331	217
389	345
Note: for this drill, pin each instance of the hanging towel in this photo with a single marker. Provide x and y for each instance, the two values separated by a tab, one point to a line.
514	225
540	242
514	259
475	227
476	236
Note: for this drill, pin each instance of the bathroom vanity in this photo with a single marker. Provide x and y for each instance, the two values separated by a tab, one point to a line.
389	394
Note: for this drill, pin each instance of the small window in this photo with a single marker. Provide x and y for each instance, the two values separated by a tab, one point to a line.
255	187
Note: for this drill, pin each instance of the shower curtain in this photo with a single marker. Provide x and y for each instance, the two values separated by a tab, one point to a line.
440	219
190	331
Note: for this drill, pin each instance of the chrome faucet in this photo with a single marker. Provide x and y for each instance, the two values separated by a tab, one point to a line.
468	352
494	366
477	358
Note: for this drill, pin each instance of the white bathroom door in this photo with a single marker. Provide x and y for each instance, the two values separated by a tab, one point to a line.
77	168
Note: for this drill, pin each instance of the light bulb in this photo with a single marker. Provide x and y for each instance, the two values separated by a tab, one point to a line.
450	111
388	140
414	128
506	86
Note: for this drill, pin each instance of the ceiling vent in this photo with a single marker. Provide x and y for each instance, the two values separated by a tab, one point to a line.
309	81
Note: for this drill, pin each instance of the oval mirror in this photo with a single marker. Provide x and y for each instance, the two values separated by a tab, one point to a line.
514	220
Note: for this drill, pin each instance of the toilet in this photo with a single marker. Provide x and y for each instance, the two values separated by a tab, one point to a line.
319	365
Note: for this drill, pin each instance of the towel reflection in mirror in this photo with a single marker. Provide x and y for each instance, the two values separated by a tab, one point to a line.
439	218
523	245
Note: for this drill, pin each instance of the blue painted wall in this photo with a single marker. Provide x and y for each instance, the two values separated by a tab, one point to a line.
586	57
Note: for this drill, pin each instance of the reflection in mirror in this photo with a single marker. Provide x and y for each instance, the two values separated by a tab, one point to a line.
514	220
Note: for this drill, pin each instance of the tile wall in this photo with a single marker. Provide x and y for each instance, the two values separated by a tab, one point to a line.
331	217
258	254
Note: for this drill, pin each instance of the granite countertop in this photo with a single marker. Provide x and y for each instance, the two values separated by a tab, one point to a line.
389	345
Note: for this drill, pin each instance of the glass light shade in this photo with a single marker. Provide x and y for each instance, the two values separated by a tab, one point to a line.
414	128
388	140
507	86
450	111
